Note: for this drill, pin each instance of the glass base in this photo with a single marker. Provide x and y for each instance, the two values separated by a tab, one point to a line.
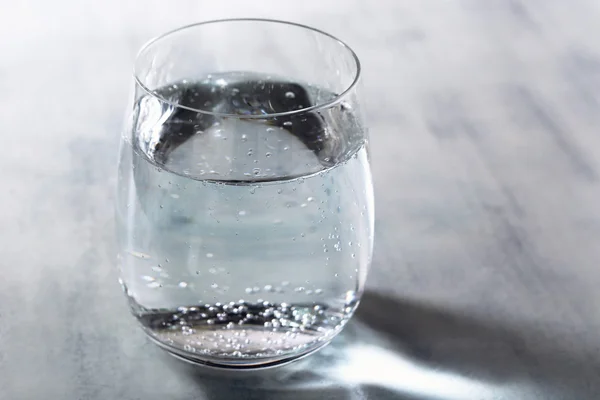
236	363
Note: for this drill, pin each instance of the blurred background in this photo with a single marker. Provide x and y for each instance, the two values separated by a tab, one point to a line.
484	120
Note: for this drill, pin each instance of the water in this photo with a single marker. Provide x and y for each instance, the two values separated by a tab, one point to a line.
243	241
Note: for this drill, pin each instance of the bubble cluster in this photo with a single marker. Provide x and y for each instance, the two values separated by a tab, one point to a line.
242	329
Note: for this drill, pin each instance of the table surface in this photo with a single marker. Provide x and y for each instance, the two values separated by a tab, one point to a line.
485	123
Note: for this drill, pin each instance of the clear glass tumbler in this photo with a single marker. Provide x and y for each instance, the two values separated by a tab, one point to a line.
245	202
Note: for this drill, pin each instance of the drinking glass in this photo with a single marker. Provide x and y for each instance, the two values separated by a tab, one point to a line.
244	200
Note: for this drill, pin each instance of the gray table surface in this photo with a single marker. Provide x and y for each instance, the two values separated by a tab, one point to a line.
485	122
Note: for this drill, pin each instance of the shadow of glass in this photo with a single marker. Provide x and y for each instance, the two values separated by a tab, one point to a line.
402	350
518	360
379	355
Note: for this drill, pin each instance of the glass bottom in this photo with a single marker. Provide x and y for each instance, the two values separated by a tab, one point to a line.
237	363
242	335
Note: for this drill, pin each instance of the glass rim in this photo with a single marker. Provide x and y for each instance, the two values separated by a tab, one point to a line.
319	106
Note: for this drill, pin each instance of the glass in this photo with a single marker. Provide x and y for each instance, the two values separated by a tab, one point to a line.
245	202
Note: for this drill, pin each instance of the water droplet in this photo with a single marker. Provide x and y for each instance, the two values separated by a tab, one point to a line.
290	95
209	255
336	275
252	189
214	285
318	291
183	284
267	154
154	285
256	171
353	255
242	213
310	199
268	288
279	191
161	206
299	289
174	195
249	290
148	278
210	321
